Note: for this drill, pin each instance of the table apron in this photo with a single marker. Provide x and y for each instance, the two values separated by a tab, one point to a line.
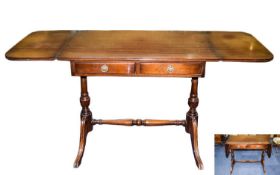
248	147
130	68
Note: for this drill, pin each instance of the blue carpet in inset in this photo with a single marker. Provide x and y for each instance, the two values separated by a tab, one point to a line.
222	164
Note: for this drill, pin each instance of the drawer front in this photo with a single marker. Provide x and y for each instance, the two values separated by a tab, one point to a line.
102	68
249	146
191	69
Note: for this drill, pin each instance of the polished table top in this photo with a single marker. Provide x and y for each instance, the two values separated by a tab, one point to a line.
248	139
176	46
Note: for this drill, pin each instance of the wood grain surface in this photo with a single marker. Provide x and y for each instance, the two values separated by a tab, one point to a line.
140	46
248	139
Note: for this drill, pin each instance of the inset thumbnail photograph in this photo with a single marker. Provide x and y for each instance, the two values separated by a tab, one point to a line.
247	154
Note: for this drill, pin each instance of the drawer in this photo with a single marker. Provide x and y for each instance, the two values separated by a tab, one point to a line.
249	146
102	68
190	69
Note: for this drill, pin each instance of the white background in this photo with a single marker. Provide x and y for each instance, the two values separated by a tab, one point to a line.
39	101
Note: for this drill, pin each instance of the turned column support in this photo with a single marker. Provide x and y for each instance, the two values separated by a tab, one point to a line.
85	100
192	121
193	100
268	151
86	118
227	150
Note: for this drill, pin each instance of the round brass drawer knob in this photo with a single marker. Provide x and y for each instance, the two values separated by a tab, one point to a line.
104	68
170	68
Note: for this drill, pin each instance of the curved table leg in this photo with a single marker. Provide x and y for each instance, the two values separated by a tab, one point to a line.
194	139
86	118
232	161
192	122
262	162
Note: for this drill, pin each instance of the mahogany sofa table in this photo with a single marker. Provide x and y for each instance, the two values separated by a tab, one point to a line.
248	142
139	53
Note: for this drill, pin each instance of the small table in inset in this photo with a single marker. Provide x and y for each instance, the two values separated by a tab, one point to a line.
248	142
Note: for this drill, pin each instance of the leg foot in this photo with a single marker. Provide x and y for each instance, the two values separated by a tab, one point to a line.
86	127
194	139
232	162
262	162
